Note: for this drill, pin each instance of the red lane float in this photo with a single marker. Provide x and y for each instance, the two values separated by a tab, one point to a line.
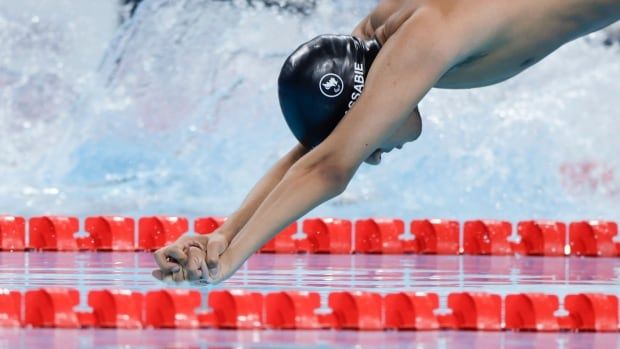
237	309
109	233
116	308
411	311
283	242
435	236
541	238
207	225
593	238
53	233
12	233
10	308
487	237
357	310
52	307
292	310
592	312
326	235
377	235
159	231
172	308
531	312
473	311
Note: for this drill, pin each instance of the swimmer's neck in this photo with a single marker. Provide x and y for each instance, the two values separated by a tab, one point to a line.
598	10
609	4
587	16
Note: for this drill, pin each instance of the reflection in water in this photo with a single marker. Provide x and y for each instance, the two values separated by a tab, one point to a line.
209	338
325	273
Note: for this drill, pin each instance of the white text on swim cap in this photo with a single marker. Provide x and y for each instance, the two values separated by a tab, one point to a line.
358	83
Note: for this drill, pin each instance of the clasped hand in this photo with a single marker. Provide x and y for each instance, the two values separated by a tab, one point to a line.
193	257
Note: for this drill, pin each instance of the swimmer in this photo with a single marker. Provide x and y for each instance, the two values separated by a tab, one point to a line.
401	50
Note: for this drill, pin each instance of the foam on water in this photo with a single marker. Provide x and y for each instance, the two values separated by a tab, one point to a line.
181	117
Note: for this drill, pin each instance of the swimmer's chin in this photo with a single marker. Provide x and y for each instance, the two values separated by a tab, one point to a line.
375	158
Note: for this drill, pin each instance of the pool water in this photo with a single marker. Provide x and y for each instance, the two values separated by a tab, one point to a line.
55	339
323	274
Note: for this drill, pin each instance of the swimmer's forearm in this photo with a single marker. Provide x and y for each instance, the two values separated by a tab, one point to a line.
261	189
302	189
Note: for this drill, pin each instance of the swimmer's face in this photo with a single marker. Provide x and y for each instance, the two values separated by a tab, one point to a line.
408	132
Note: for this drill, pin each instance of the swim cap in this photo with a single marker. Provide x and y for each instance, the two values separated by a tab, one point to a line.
320	81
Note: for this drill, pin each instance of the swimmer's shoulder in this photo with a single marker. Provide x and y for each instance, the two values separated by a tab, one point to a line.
385	12
390	15
467	29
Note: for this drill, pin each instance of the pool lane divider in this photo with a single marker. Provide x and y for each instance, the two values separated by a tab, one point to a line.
324	235
236	309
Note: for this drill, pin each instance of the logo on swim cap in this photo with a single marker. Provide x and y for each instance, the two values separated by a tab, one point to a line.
331	85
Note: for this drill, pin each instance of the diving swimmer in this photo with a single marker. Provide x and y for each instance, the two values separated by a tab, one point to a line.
395	55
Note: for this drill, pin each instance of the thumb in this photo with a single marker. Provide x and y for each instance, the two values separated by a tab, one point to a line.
177	254
170	258
214	249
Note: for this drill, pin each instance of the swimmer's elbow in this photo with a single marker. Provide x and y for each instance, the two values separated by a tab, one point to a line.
327	174
335	177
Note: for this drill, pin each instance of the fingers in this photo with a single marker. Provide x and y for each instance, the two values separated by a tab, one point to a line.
204	268
214	249
170	258
180	276
177	254
190	259
166	265
195	258
158	274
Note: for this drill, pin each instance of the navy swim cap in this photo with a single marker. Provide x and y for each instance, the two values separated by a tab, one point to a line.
320	81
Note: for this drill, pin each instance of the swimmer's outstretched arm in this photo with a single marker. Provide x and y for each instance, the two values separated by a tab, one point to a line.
171	258
239	218
408	65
